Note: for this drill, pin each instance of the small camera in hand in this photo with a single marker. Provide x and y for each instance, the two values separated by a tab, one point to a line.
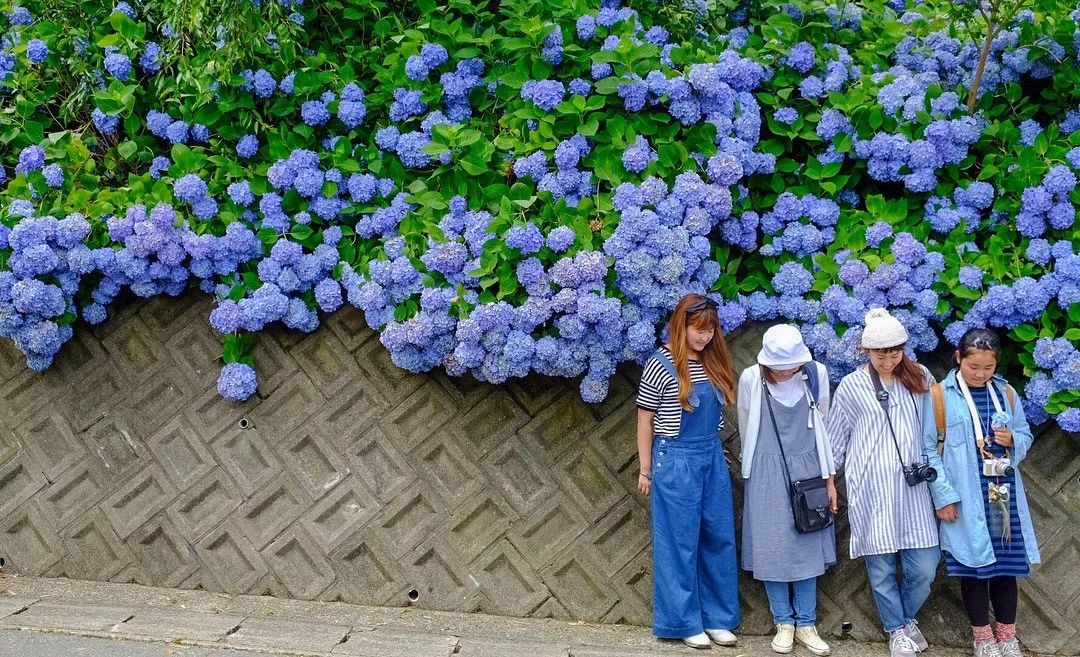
1001	467
917	473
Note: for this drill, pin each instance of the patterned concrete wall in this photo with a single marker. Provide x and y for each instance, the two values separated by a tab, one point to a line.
352	480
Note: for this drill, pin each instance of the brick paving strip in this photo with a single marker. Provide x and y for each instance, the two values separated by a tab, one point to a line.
323	629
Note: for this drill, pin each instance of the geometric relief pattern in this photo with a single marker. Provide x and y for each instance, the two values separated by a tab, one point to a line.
346	478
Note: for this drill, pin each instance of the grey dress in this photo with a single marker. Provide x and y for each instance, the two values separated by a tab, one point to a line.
771	548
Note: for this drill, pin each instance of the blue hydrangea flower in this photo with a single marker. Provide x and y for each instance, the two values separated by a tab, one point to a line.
786	115
638	155
54	175
545	93
158	166
237	382
190	188
801	57
37	51
118	65
248	146
31	158
150	58
314	113
878	233
560	239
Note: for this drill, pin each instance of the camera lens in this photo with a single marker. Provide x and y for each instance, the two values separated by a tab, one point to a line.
1008	471
929	474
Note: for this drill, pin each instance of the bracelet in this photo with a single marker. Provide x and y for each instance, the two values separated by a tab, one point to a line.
647	475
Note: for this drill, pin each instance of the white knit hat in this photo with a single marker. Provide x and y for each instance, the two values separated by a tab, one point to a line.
883	331
782	347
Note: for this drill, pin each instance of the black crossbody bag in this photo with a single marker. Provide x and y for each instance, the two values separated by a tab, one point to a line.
809	497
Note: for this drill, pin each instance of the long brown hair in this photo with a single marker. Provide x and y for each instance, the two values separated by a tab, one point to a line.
715	357
910	374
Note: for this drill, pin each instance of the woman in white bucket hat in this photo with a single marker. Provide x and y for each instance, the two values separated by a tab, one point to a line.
783	401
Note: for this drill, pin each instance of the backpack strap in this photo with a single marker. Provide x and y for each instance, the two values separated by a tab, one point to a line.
937	394
812	380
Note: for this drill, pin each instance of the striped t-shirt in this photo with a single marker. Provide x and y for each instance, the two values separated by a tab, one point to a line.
659	393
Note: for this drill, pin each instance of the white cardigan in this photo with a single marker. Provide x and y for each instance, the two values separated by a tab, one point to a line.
749	409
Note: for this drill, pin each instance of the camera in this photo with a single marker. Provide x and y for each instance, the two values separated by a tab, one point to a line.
917	473
998	468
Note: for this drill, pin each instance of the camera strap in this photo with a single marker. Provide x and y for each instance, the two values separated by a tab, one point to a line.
883	398
976	418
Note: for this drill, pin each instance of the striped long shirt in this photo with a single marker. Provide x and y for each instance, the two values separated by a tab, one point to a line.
886	515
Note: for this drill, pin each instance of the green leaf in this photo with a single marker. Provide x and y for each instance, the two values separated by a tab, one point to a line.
1025	333
127	149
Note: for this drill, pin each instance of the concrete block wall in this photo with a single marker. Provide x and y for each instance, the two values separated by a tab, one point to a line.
349	479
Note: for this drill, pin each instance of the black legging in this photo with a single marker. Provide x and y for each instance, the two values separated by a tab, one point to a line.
979	594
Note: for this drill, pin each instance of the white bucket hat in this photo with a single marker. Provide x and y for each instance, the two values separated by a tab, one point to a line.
782	347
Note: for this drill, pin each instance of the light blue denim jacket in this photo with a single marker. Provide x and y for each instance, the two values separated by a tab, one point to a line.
967	539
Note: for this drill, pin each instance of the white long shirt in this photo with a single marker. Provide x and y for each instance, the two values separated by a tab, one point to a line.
886	515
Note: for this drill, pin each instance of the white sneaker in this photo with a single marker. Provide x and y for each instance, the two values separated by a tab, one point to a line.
900	645
987	649
784	640
915	634
1011	648
808	636
699	641
722	637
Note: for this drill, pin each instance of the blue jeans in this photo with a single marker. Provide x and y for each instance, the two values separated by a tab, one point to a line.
804	610
898	602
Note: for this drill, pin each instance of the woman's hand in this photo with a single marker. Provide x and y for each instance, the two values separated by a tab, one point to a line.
947	513
834	502
1003	436
644	484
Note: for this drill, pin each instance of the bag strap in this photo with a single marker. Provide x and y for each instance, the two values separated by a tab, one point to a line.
937	393
812	381
883	399
776	427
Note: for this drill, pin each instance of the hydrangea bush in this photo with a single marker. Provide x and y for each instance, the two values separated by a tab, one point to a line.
513	188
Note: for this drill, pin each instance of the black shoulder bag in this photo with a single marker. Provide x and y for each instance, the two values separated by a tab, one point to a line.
809	497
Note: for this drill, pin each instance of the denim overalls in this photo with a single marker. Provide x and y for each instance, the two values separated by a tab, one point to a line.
695	569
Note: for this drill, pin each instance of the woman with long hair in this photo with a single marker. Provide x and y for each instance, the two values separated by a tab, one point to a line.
986	532
684	388
876	428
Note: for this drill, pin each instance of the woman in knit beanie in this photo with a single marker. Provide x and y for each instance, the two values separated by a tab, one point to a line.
876	432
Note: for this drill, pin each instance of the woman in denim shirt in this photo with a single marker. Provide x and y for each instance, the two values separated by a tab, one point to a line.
986	530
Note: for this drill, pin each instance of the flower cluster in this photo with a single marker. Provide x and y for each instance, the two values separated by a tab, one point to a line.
544	215
800	226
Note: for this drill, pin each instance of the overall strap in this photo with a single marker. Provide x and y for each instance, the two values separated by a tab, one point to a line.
669	367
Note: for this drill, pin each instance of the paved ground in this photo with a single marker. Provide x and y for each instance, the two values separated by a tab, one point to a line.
61	618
